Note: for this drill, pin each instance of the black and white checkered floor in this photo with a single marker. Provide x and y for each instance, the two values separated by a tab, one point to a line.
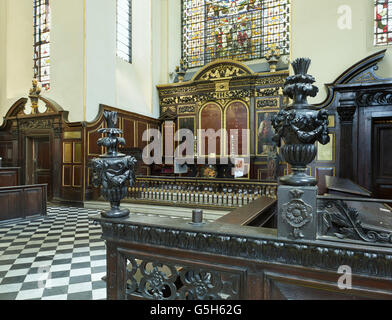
57	257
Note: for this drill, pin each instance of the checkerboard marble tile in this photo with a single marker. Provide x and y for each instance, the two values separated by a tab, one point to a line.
57	257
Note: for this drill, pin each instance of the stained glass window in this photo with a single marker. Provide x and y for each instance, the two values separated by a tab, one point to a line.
124	30
42	42
383	22
236	29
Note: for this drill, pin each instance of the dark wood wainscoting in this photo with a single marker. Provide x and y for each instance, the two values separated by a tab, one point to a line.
382	159
9	177
22	201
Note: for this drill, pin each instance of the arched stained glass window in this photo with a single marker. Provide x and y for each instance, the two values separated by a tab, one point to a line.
236	29
383	22
124	30
42	42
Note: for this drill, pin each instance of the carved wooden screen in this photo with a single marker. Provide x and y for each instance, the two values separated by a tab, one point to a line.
237	123
210	119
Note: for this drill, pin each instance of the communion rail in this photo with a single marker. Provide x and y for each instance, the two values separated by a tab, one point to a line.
165	258
202	192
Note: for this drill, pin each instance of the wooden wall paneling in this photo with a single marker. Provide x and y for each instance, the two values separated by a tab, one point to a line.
141	128
129	132
77	176
22	201
6	153
67	176
9	177
92	138
381	157
321	172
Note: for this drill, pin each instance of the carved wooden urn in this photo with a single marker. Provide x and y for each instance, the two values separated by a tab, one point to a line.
113	171
300	125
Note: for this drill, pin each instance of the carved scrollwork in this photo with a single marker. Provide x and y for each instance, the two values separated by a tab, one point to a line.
186	109
341	221
365	99
36	124
166	281
223	71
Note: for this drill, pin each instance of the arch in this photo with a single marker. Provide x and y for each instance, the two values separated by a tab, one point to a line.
236	116
222	69
209	114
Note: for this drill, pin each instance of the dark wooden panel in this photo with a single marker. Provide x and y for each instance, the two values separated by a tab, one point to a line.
141	128
345	187
382	153
9	177
77	176
22	201
67	176
93	148
33	199
256	210
10	204
6	152
321	173
129	132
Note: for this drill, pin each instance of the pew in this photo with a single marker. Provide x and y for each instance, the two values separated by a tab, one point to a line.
22	201
9	177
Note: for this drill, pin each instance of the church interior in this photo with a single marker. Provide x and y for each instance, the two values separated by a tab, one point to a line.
195	149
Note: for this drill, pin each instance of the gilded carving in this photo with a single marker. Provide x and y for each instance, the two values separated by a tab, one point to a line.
272	103
222	86
223	71
271	80
186	109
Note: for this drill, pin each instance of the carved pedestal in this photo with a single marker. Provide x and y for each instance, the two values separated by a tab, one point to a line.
297	212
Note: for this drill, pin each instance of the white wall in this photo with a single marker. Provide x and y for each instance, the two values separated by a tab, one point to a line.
174	34
100	55
17	52
316	34
3	38
67	56
113	81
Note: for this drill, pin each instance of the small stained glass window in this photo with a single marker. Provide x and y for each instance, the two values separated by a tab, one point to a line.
235	29
124	30
42	42
383	22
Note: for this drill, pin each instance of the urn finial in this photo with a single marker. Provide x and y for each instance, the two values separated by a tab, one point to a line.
113	171
300	125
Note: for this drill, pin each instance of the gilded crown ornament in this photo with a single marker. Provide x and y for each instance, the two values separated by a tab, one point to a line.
273	56
113	171
300	125
181	70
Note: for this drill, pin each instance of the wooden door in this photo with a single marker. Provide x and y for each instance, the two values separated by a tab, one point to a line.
39	162
382	159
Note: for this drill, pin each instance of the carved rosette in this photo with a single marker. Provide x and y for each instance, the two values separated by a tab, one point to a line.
300	125
297	213
113	171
